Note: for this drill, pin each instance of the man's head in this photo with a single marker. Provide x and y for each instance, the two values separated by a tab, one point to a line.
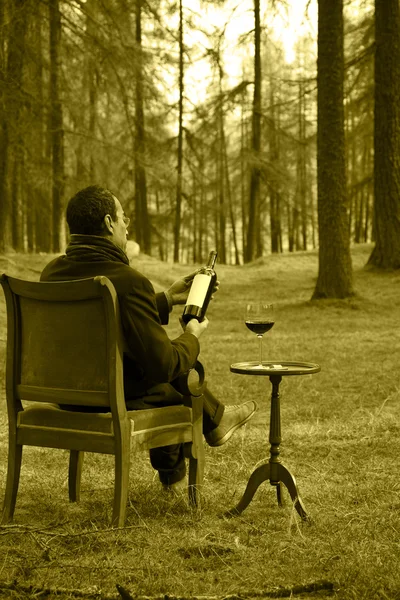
96	211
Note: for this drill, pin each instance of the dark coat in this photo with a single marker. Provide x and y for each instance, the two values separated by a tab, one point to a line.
151	357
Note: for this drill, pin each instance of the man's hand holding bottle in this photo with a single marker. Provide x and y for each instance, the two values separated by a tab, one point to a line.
195	291
179	290
195	327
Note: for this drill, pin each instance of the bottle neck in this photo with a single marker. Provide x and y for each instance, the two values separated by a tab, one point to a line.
212	259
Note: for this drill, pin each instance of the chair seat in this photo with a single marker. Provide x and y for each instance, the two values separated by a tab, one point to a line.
42	414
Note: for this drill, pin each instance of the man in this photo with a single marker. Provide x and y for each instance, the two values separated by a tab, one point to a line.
98	236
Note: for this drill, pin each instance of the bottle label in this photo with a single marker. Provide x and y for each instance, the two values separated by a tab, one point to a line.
199	289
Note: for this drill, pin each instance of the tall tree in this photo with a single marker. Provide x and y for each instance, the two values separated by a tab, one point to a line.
3	132
386	253
253	221
39	196
220	147
16	138
273	179
143	234
301	166
11	137
91	81
178	204
56	122
335	270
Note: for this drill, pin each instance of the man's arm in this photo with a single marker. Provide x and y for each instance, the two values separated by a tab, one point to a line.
161	360
177	293
163	307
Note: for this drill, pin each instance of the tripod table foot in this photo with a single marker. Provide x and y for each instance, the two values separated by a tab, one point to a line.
260	475
284	477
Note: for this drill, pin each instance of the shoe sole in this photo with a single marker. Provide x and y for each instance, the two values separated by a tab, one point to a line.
231	431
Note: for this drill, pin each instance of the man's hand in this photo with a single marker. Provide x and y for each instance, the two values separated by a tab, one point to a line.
195	327
179	291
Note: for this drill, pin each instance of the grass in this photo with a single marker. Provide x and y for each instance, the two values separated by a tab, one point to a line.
340	439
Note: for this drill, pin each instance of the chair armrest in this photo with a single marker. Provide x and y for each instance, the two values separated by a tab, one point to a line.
191	383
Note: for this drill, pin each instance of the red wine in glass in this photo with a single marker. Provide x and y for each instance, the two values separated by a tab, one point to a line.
259	327
259	319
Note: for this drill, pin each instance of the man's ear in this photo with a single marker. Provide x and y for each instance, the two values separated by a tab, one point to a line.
108	223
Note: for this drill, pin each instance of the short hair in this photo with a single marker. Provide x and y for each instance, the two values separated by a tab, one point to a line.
87	209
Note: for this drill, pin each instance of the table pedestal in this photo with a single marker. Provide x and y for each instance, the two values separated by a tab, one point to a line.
273	471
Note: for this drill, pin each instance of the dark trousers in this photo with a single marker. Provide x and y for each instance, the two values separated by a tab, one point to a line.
169	461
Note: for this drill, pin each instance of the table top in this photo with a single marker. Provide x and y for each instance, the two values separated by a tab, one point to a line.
282	368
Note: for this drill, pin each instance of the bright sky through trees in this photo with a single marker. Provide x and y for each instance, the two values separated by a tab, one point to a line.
284	24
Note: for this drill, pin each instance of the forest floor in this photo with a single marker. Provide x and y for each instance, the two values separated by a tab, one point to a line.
341	440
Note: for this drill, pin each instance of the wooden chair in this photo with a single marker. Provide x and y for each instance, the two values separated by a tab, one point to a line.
65	346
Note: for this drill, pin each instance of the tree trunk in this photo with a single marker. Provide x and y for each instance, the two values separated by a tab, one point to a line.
11	137
253	222
302	167
335	270
243	191
143	231
231	210
386	253
313	218
351	170
195	213
367	160
56	123
220	220
92	91
218	201
221	181
18	208
40	197
4	198
202	221
274	194
290	226
16	148
178	204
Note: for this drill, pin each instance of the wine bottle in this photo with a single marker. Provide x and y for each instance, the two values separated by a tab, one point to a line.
201	291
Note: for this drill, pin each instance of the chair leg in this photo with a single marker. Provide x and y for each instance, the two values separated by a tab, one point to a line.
13	472
75	475
196	453
121	486
196	472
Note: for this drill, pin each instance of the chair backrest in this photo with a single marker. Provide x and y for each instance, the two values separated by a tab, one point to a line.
64	343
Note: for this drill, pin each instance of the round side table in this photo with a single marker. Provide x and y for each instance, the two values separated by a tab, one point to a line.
273	470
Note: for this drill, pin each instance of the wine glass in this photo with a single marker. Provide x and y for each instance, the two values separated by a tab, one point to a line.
259	319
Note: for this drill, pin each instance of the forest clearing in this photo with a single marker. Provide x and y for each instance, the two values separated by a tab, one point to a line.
289	169
341	440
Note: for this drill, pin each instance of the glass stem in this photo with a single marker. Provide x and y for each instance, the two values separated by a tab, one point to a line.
260	337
